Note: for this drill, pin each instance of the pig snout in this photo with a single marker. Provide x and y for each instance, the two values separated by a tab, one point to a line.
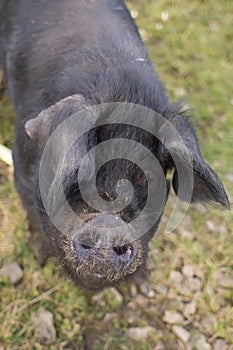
102	256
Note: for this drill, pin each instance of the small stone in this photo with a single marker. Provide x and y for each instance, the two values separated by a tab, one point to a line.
222	229
151	294
13	272
144	34
194	284
186	234
132	305
200	208
141	300
118	297
225	282
208	324
220	344
171	317
187	222
109	317
188	270
131	316
194	338
134	14
229	177
180	91
97	298
164	16
175	304
190	308
133	290
161	289
44	326
176	277
146	290
202	344
159	26
140	333
186	292
160	346
211	226
198	342
181	333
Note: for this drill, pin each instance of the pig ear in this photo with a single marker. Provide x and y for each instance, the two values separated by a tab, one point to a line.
40	128
206	184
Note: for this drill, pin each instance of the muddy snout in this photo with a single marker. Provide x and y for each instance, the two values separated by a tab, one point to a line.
105	251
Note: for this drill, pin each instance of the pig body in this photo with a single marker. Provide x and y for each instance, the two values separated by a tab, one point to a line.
59	57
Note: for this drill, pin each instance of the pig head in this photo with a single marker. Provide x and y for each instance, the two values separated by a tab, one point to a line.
96	226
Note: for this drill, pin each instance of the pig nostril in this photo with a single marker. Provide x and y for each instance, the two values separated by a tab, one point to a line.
122	250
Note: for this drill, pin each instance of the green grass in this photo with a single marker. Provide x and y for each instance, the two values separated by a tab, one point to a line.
193	54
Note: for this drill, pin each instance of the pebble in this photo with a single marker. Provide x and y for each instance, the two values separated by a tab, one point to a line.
117	296
109	317
176	277
200	208
160	346
186	234
141	301
172	317
44	326
190	308
202	344
13	272
134	14
220	344
211	226
181	333
186	292
146	290
222	229
6	155
188	270
180	91
208	324
131	316
97	298
132	305
133	290
225	282
194	284
140	333
187	222
198	342
229	177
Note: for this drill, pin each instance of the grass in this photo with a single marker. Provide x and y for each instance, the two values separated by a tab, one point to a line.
191	45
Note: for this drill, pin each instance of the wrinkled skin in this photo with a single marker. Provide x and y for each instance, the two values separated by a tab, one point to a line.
91	50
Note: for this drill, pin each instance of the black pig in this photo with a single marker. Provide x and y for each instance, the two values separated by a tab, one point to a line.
62	57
